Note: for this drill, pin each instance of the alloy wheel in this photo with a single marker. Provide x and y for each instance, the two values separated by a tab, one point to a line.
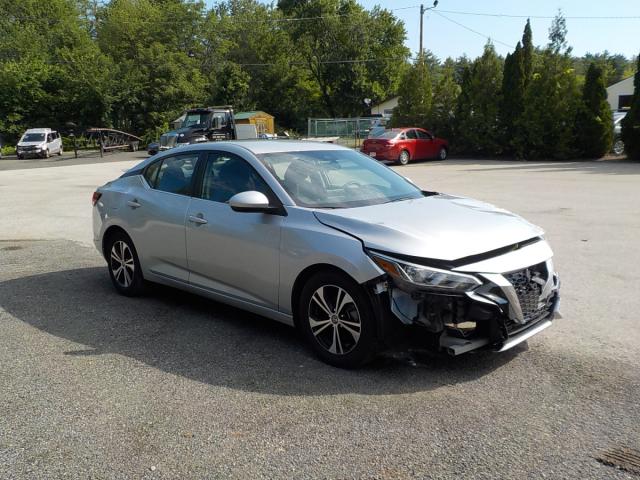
618	147
334	319
122	264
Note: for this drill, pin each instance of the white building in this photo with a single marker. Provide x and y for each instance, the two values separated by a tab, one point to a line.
385	108
619	94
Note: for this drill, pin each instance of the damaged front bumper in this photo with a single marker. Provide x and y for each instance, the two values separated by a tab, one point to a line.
505	310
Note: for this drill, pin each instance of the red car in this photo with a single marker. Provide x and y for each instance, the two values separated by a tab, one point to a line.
404	144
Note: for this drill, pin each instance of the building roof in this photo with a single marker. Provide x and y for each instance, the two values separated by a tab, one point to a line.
626	81
248	115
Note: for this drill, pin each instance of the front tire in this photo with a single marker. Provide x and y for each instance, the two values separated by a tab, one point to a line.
618	147
124	266
337	320
45	154
404	157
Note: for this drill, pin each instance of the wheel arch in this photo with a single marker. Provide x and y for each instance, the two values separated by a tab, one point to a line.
108	233
304	276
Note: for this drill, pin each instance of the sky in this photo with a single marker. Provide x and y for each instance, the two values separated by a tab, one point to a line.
445	38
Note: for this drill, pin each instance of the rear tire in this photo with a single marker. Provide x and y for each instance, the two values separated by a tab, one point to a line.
442	154
60	152
337	320
404	157
124	266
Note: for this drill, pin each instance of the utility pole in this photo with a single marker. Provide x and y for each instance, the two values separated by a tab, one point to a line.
422	11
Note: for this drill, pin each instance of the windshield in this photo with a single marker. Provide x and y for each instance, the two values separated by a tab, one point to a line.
32	137
195	120
337	179
617	117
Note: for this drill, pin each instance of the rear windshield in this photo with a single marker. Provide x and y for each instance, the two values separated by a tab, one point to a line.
389	134
33	137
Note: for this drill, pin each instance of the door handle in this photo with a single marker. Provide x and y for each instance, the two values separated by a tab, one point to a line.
197	219
134	203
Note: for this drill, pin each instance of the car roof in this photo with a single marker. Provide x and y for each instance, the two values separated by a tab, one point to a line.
258	147
38	130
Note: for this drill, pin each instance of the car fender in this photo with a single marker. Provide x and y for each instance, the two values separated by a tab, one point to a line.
306	242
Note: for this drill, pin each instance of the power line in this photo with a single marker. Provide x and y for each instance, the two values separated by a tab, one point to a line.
505	15
472	30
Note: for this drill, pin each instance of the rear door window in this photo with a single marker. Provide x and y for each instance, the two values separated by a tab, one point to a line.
422	135
173	174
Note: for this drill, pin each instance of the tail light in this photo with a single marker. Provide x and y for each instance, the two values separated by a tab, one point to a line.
95	198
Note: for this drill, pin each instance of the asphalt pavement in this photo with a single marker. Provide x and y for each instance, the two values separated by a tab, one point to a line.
170	385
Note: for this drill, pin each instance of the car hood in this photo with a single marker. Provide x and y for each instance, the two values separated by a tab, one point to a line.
442	227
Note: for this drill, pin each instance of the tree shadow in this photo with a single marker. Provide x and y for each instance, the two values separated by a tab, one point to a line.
209	342
608	166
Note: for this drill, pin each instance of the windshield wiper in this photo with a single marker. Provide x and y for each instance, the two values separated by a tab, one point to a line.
401	199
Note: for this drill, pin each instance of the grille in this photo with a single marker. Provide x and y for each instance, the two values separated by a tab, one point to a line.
528	284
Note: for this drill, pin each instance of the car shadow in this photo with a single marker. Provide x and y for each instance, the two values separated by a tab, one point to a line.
209	342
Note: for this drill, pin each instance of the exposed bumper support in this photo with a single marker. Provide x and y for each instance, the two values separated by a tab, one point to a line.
521	337
457	346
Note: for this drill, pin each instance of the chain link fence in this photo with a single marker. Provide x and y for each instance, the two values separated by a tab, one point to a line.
350	132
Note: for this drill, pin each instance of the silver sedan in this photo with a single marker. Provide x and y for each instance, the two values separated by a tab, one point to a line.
328	240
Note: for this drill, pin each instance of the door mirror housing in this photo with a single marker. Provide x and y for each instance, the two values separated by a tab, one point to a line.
251	202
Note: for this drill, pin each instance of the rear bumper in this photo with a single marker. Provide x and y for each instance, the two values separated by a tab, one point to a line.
387	155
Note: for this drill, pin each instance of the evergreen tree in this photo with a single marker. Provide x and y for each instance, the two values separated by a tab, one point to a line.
631	123
527	53
512	107
551	100
445	95
594	124
414	104
477	111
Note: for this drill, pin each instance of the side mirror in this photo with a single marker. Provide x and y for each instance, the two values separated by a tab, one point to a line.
251	201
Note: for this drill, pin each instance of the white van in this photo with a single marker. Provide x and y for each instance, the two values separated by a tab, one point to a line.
39	142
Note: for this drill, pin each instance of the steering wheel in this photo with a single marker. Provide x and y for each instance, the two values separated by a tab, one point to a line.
352	184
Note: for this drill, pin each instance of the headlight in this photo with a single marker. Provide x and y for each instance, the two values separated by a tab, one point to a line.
181	135
429	277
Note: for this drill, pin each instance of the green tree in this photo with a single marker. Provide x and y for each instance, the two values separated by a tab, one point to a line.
631	123
527	53
445	96
152	46
351	53
594	123
414	104
51	71
275	78
477	110
512	106
551	100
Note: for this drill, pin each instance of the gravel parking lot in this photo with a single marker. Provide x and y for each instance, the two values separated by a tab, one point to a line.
95	385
